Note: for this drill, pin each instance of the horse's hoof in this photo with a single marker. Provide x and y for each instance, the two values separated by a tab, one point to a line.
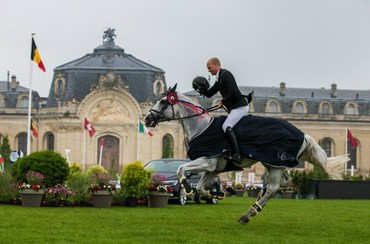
196	198
243	219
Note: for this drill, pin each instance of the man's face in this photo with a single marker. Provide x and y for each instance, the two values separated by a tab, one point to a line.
212	68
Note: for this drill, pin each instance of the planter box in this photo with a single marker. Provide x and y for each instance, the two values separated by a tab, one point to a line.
342	189
31	198
158	199
102	199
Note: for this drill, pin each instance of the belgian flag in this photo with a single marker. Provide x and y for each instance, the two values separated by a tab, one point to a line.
34	129
35	56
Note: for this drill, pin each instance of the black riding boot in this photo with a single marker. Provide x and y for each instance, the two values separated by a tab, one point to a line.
235	153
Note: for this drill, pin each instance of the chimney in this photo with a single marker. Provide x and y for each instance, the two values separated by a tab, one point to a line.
333	93
282	89
13	83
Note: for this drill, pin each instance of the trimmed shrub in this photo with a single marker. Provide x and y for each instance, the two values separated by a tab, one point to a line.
8	187
49	163
135	179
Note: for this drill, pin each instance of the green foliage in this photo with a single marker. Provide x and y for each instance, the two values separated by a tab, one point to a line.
119	197
78	183
5	151
135	180
74	168
355	177
8	187
95	169
49	163
302	181
167	147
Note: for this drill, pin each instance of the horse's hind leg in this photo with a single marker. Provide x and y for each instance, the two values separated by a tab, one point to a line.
314	154
264	195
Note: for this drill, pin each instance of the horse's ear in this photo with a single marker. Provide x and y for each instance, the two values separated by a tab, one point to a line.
174	88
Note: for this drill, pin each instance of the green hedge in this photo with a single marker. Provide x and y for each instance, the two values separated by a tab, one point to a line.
49	163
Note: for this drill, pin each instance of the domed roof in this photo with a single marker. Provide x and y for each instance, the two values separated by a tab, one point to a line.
75	79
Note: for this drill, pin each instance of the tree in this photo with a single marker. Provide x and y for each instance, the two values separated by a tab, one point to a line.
5	151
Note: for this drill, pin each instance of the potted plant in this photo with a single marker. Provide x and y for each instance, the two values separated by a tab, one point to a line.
239	189
135	181
102	190
159	193
32	190
253	190
56	196
287	190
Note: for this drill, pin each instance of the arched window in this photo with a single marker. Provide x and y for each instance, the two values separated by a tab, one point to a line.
22	142
167	146
352	151
272	107
298	108
109	146
325	109
351	110
50	141
23	102
326	144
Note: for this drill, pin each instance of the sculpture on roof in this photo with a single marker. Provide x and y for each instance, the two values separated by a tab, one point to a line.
108	37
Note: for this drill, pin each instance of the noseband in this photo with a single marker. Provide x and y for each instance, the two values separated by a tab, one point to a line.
172	99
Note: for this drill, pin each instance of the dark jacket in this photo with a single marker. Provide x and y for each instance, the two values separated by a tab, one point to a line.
231	96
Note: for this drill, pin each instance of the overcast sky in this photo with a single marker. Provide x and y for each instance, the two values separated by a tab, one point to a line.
305	43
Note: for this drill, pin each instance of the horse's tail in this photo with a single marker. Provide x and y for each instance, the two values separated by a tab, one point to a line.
317	156
336	165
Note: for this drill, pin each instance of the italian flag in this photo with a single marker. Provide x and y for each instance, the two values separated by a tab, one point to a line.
142	129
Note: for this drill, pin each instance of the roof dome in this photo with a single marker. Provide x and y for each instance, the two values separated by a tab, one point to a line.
74	80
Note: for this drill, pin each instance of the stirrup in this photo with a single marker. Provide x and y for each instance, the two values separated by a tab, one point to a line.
236	160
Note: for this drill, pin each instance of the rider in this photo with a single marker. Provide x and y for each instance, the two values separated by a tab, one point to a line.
232	99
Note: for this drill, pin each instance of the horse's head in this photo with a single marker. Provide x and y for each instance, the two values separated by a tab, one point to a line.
160	111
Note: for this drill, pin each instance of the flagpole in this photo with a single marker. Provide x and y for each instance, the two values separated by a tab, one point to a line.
29	105
83	152
67	151
346	150
137	141
101	151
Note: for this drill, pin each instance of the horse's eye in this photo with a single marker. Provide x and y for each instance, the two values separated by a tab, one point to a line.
162	101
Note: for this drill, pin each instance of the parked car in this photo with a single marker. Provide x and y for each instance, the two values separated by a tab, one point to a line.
168	167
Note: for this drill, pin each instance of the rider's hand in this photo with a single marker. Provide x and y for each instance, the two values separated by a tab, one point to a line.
220	104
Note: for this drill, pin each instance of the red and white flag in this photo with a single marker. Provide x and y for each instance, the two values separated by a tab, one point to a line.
142	129
89	127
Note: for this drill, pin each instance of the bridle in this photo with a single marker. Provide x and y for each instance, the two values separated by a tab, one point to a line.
173	99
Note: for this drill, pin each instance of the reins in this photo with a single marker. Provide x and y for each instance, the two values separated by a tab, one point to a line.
199	111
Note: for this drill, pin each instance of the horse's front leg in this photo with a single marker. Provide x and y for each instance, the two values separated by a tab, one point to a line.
195	166
264	195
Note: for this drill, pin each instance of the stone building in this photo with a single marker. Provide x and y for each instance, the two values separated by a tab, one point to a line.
114	91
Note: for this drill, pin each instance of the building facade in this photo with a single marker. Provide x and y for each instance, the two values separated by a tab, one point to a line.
114	91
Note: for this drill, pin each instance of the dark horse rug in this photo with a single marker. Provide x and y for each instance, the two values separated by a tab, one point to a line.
273	141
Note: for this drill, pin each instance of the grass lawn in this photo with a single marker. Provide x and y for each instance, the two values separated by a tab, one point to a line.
282	221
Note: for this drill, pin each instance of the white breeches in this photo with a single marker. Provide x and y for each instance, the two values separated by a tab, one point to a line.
234	116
